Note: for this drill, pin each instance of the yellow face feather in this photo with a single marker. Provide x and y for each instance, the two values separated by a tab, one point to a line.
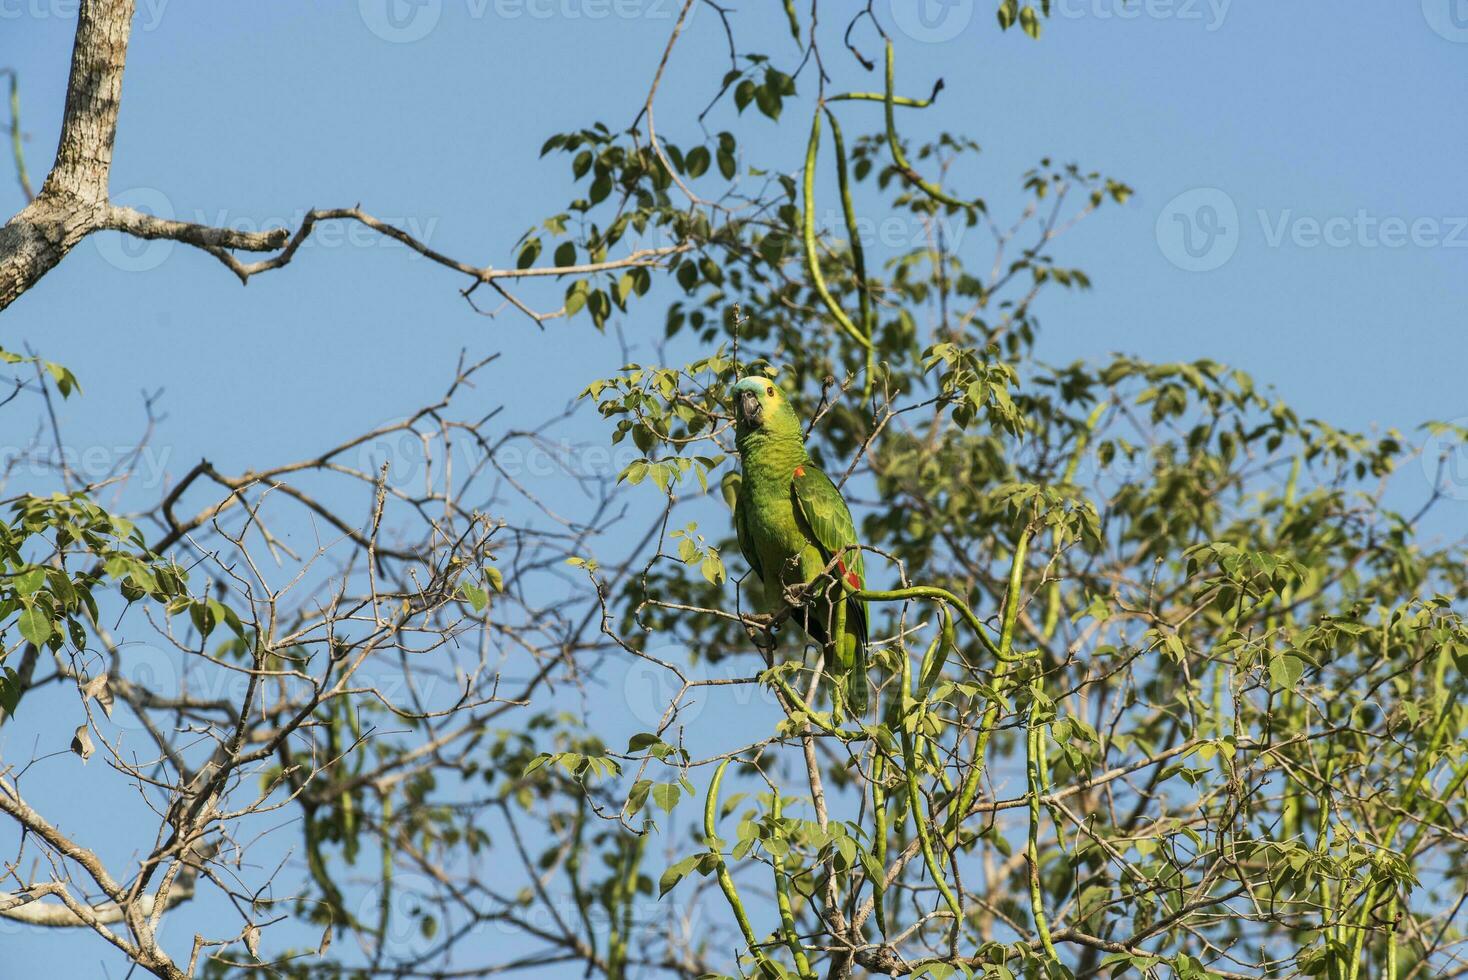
758	403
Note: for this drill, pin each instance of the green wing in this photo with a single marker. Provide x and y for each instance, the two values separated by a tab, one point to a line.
828	521
745	537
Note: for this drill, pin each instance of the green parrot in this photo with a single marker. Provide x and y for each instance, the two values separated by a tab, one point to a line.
792	524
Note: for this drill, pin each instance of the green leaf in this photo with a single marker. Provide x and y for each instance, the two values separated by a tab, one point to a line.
641	741
66	382
635	472
697	161
35	625
202	619
1029	21
637	798
477	597
28	582
666	795
600	188
9	691
528	254
676	873
743	94
1285	671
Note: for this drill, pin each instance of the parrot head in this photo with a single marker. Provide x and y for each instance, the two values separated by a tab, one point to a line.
759	405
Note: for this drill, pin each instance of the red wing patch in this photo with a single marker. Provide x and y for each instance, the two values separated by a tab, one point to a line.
800	471
852	578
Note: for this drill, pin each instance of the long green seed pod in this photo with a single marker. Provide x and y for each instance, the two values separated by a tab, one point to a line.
920	824
726	880
915	805
794	21
1372	890
900	101
858	253
900	159
1083	441
943	595
991	710
808	235
936	657
1034	769
782	900
799	703
879	837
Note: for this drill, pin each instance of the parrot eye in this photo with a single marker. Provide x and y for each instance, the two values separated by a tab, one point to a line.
770	391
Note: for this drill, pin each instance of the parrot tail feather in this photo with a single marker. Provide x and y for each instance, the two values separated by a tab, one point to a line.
845	658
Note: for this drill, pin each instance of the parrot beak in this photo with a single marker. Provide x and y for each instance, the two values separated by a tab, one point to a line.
749	408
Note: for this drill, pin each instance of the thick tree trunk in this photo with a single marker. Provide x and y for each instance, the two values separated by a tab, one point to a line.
37	238
73	201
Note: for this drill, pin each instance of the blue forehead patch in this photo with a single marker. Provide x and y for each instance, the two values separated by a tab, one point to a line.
753	383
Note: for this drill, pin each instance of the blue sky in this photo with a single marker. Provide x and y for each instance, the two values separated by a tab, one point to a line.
258	112
1296	116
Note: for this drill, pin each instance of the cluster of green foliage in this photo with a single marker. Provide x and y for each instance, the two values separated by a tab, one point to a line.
1163	682
59	554
1240	711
